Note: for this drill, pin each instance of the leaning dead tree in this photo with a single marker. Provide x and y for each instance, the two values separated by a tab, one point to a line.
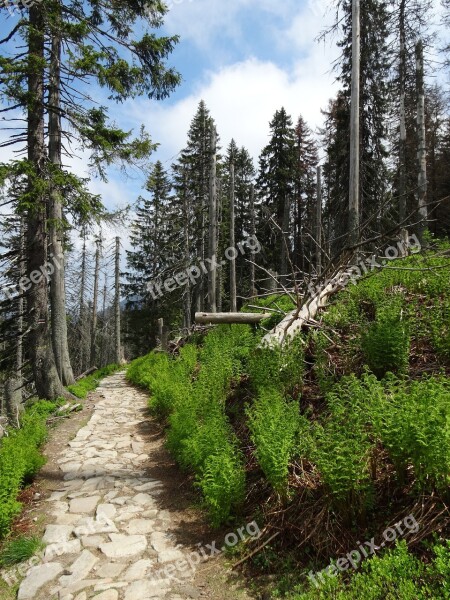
336	276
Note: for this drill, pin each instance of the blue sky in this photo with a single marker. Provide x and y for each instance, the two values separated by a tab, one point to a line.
246	59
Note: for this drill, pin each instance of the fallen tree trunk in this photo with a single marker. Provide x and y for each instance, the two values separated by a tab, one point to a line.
86	373
239	318
294	322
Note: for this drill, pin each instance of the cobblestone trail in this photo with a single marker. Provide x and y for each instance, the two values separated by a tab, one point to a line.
107	538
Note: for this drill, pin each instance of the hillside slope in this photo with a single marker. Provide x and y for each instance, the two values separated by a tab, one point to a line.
338	444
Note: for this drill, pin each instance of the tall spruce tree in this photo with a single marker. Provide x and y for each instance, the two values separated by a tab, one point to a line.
244	174
305	196
192	176
276	188
150	261
409	20
100	45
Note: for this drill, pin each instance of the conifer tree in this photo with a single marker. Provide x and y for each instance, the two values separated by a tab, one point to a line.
374	101
150	261
192	173
276	187
305	196
244	174
100	45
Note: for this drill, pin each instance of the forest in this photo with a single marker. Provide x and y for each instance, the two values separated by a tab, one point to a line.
286	314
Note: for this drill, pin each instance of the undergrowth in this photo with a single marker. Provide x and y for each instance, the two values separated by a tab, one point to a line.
398	574
20	459
81	388
19	550
193	403
351	420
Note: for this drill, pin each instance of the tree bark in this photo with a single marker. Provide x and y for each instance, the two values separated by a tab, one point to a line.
293	323
21	306
117	332
354	199
402	200
319	222
422	143
57	281
233	284
241	318
45	374
212	250
95	306
82	315
105	324
285	238
253	291
187	258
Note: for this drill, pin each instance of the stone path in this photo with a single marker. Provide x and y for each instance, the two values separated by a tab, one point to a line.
107	538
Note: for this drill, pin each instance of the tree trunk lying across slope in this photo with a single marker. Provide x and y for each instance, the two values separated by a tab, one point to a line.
294	322
242	318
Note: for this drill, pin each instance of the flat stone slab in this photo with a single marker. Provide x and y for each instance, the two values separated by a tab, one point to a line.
111	570
71	547
57	534
143	500
84	505
145	590
90	526
108	595
140	526
36	578
80	568
138	571
124	545
106	510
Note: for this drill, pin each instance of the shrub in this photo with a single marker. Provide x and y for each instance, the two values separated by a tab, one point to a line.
413	422
274	423
199	434
280	368
386	344
343	445
20	459
396	574
223	483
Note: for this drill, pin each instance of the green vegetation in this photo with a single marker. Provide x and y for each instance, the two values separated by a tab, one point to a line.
353	415
88	384
398	574
274	423
19	550
20	459
199	435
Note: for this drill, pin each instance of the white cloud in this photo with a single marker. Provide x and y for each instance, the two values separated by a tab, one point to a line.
242	98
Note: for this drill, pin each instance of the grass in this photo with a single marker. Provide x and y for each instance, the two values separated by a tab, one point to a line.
19	550
88	384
